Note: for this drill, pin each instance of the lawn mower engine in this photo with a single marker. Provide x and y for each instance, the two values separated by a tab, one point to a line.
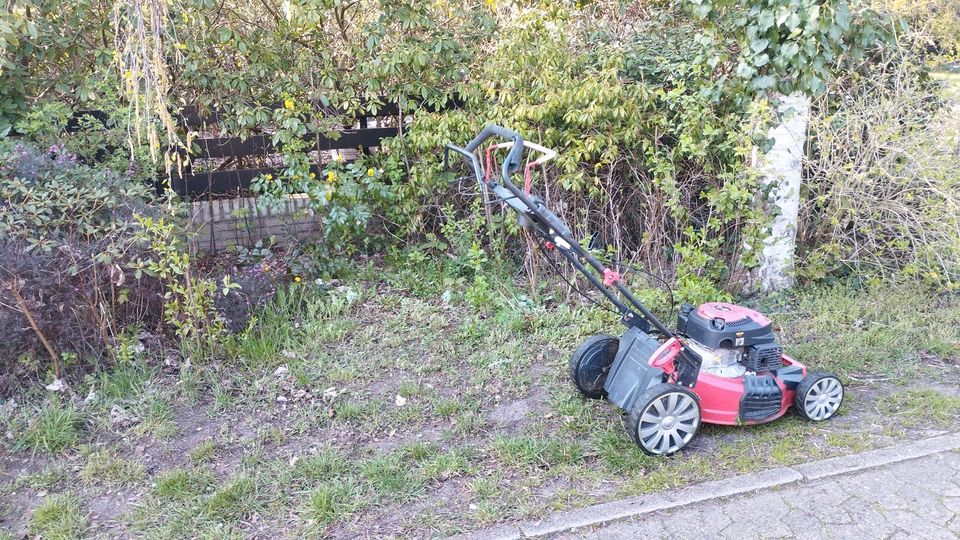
732	340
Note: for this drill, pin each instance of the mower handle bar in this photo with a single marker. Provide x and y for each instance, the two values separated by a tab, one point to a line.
506	194
471	157
512	161
548	154
553	230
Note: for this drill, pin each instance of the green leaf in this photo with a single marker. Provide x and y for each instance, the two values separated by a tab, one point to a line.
765	20
759	45
793	21
817	85
745	70
763	82
842	17
789	50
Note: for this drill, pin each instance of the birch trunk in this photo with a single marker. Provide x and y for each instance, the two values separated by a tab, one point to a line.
782	170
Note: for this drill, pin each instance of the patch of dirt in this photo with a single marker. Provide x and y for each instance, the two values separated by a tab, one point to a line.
513	413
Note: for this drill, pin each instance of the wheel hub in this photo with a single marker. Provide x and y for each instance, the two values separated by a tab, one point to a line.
667	423
823	399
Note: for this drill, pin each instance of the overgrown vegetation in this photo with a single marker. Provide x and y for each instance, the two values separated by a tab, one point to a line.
66	240
881	196
656	111
421	335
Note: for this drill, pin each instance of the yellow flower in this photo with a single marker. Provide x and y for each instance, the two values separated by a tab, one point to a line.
269	177
297	279
338	157
313	175
288	103
331	177
370	172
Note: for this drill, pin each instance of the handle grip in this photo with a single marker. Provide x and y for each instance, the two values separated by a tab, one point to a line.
477	169
512	162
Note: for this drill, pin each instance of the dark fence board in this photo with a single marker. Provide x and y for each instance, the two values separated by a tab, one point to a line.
357	138
220	182
258	145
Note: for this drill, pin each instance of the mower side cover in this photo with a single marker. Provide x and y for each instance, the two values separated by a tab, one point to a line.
631	373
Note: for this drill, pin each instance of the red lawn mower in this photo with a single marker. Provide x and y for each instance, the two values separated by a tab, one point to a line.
722	364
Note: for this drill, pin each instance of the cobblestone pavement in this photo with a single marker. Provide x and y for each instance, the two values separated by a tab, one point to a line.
919	498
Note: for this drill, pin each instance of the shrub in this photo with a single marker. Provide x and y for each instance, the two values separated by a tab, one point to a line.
345	196
66	236
655	107
939	19
256	285
651	148
91	137
882	197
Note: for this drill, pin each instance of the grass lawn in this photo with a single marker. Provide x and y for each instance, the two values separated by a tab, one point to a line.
397	405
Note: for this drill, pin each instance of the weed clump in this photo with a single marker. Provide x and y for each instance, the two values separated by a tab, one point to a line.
53	427
59	517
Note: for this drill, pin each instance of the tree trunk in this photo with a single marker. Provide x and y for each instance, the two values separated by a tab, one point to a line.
782	171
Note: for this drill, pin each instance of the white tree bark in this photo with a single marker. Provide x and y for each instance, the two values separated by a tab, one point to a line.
782	170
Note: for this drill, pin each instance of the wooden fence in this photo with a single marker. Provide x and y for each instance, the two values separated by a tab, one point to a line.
219	164
212	169
219	170
217	179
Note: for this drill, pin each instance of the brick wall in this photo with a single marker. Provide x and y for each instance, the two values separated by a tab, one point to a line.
219	224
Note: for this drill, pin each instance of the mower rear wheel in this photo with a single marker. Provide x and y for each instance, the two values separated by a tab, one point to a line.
664	419
590	364
818	396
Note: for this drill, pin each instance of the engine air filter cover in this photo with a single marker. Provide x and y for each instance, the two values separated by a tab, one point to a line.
719	324
763	357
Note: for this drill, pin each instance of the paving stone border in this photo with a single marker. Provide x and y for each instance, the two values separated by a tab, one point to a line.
644	504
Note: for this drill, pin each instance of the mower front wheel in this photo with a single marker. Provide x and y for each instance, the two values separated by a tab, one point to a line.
818	396
590	364
664	419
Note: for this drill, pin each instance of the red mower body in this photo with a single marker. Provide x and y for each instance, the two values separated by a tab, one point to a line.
721	397
744	377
